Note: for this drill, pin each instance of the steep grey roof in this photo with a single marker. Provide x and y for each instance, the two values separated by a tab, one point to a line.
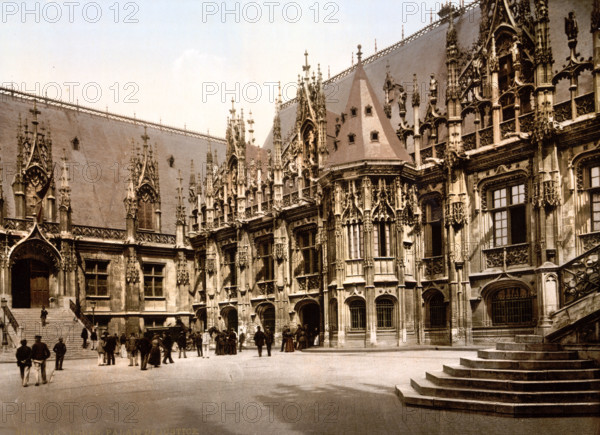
99	169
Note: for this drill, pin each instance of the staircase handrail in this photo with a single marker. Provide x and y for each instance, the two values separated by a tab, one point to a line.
11	319
583	281
82	318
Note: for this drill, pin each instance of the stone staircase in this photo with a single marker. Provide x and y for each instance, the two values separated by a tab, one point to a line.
520	379
61	322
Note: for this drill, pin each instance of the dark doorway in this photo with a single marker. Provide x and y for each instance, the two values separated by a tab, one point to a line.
310	315
266	313
30	287
231	319
201	315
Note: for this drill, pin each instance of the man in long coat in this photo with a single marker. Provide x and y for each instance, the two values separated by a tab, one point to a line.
259	340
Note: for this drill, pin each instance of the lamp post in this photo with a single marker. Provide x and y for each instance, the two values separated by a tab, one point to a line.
93	304
4	304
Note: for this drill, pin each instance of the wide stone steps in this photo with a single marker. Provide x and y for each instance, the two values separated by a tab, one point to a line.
61	322
446	380
525	378
522	375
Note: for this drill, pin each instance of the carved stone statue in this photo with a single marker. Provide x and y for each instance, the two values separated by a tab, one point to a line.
571	29
433	86
401	99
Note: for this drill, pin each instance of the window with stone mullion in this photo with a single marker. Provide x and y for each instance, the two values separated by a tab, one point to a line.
595	197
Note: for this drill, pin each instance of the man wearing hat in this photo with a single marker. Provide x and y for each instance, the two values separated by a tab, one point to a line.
24	361
39	354
60	349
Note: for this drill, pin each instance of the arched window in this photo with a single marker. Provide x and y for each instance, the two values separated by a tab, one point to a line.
358	315
385	313
437	311
511	306
333	315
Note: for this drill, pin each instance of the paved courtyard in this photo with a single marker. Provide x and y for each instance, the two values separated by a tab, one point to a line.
243	394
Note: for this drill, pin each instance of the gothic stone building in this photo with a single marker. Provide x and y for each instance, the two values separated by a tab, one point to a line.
443	190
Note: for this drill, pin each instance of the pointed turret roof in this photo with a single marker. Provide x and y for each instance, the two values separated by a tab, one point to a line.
364	119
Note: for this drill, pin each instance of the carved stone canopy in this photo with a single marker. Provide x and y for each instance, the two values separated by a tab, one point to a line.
36	246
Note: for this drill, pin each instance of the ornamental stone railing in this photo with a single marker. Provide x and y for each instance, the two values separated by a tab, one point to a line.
585	104
163	239
434	266
266	287
98	232
512	255
308	282
580	276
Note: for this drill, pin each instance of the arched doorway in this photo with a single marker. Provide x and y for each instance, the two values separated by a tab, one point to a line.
230	316
201	319
309	314
30	284
266	314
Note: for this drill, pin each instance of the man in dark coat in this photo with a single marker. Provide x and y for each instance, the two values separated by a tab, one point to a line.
84	336
269	340
60	349
109	347
232	339
167	343
182	343
144	346
198	343
24	361
259	340
39	354
43	315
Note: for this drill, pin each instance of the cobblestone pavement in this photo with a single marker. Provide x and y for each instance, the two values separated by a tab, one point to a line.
243	394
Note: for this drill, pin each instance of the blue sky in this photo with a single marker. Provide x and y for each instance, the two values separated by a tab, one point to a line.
181	62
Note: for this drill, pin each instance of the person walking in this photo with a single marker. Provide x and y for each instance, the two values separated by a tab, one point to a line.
24	361
167	344
182	343
110	344
93	338
198	342
259	340
60	349
132	349
144	345
84	336
242	337
205	343
43	315
101	352
39	354
269	340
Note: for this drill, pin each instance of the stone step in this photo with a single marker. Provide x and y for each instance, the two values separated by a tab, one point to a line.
522	375
428	388
505	364
535	347
412	398
527	355
446	380
529	339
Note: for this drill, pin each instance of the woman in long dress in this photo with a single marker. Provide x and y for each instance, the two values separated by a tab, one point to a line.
289	340
154	359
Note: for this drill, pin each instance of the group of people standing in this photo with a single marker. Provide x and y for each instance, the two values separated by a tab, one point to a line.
36	356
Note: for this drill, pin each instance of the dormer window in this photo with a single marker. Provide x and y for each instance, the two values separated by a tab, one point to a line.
75	143
353	112
374	136
369	111
351	138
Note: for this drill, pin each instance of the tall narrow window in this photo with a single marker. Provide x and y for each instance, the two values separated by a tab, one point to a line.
229	263
355	246
381	239
437	311
153	280
433	228
265	256
96	278
310	257
595	197
145	215
508	214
